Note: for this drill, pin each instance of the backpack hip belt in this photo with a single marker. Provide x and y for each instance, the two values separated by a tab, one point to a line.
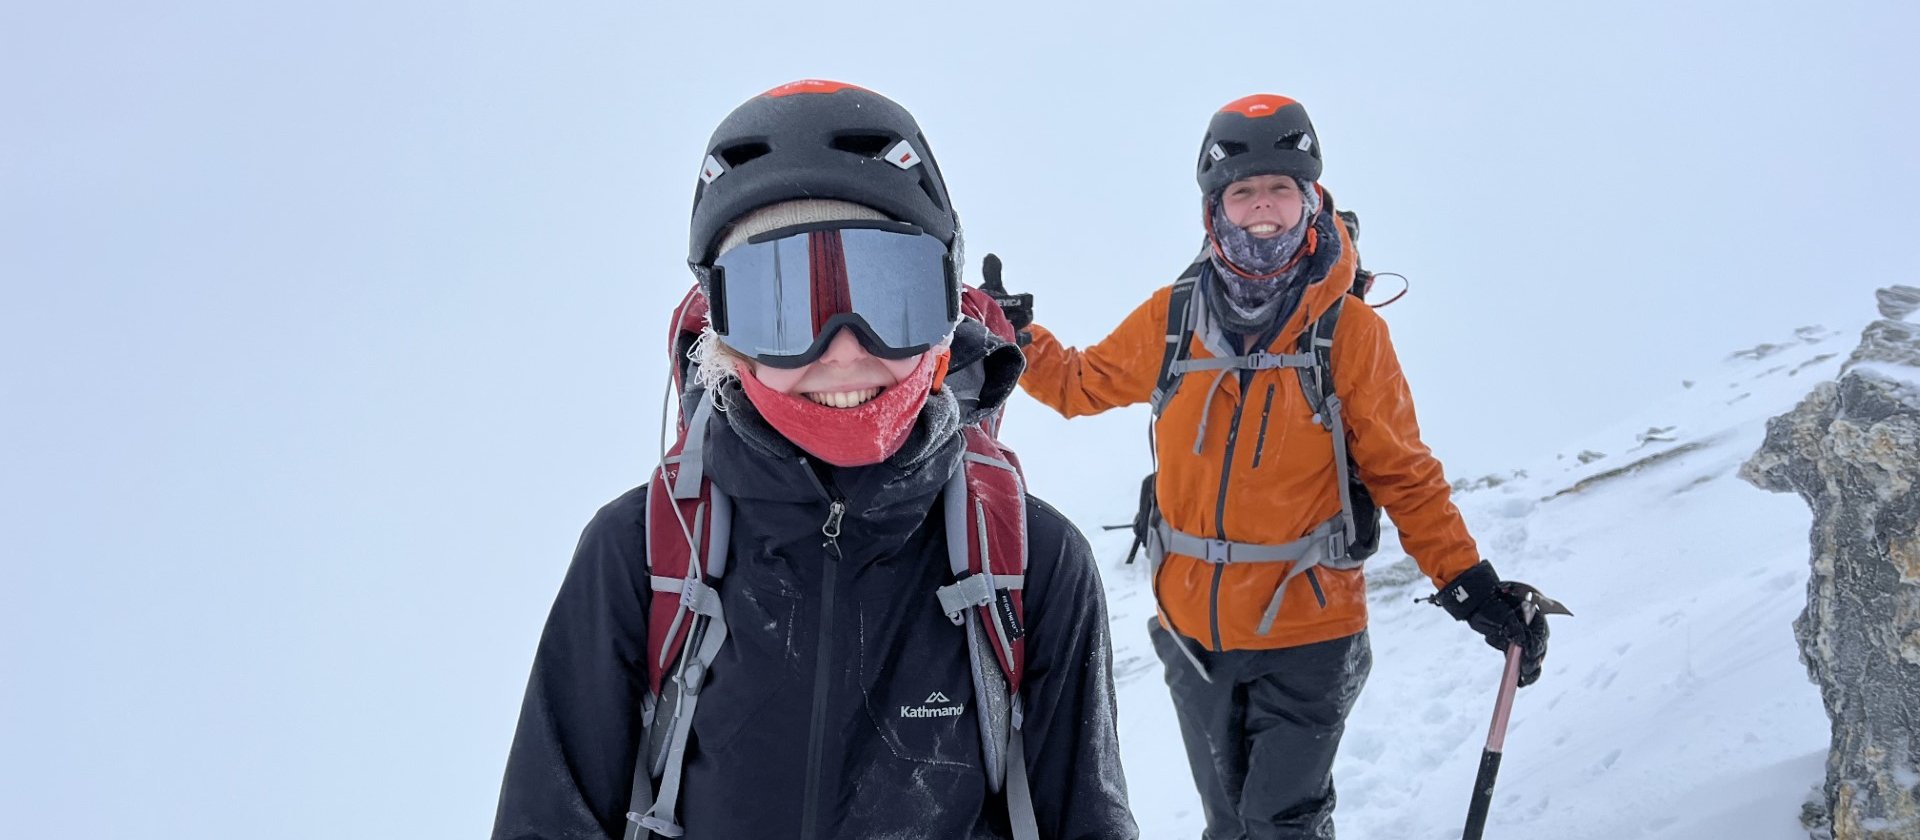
1326	545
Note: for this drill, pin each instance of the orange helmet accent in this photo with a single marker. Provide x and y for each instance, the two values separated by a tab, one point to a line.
1257	105
812	86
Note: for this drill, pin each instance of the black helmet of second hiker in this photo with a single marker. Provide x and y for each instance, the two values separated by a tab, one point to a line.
1262	134
818	139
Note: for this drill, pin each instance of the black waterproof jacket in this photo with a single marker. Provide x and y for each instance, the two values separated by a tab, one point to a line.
841	705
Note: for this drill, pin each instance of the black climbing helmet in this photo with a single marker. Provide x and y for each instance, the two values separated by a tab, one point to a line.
818	139
1262	134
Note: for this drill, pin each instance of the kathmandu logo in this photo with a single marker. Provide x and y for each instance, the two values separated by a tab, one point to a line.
927	709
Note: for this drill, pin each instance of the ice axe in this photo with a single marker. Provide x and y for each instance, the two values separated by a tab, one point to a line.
1532	602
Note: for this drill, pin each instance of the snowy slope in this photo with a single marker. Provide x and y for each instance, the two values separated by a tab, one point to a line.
1673	705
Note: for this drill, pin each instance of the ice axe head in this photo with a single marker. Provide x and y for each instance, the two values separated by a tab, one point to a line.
1534	602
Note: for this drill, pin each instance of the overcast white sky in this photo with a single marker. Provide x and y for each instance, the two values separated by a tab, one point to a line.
324	328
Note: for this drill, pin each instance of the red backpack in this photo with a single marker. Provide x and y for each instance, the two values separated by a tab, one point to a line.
688	523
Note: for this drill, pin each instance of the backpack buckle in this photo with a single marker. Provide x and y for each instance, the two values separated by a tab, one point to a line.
1336	548
1219	552
657	825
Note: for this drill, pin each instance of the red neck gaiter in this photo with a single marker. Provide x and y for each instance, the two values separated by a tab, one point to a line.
846	437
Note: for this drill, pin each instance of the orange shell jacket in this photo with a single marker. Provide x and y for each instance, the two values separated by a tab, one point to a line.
1280	483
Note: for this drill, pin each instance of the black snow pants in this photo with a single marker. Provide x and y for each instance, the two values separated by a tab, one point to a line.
1261	735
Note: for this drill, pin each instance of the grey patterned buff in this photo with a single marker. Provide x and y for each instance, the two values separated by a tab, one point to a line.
1257	256
1247	303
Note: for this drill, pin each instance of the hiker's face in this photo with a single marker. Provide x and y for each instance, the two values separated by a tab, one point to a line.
844	376
1264	205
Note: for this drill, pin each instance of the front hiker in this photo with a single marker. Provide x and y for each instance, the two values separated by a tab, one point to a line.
833	612
1282	418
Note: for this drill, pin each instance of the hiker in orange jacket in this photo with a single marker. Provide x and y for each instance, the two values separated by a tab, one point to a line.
1264	501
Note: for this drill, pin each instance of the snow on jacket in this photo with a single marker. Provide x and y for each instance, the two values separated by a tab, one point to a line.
860	717
1264	472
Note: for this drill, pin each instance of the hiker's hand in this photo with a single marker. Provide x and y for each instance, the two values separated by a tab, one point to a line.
1494	609
1018	308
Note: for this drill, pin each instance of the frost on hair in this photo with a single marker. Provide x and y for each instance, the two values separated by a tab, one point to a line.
713	362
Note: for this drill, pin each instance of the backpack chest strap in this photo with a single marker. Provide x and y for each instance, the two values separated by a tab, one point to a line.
1250	361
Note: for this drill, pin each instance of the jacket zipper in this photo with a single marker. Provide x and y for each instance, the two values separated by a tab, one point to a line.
822	671
1220	519
1318	594
1265	410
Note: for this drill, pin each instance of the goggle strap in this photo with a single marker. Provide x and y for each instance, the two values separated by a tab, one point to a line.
827	256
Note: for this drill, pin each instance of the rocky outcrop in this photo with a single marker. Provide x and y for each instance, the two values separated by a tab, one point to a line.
1852	450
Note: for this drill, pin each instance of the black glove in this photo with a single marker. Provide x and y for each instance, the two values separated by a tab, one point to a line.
1018	308
1492	607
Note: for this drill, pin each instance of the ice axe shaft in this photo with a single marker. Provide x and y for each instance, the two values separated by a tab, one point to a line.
1496	743
1532	601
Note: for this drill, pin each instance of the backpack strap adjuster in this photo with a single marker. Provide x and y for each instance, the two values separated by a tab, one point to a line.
699	598
969	591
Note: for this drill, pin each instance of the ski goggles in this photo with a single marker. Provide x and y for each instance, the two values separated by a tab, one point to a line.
781	297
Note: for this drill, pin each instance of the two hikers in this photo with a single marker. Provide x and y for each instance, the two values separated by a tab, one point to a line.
834	612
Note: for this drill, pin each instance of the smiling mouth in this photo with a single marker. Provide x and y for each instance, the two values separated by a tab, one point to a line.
844	399
1263	229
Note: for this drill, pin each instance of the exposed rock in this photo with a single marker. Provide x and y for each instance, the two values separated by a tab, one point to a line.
1588	456
1898	302
1486	482
1759	351
1655	459
1823	357
1852	450
1653	435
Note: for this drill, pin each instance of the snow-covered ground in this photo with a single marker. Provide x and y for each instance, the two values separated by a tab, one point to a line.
1673	704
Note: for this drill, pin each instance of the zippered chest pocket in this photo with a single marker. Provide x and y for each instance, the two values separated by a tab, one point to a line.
917	684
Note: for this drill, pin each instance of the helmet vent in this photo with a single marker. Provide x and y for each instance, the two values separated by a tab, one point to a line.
863	144
1232	147
933	195
740	153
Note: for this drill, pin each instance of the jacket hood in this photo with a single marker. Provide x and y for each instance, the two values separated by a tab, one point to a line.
984	371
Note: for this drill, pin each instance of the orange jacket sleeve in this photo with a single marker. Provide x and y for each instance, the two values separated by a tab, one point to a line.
1120	370
1384	437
